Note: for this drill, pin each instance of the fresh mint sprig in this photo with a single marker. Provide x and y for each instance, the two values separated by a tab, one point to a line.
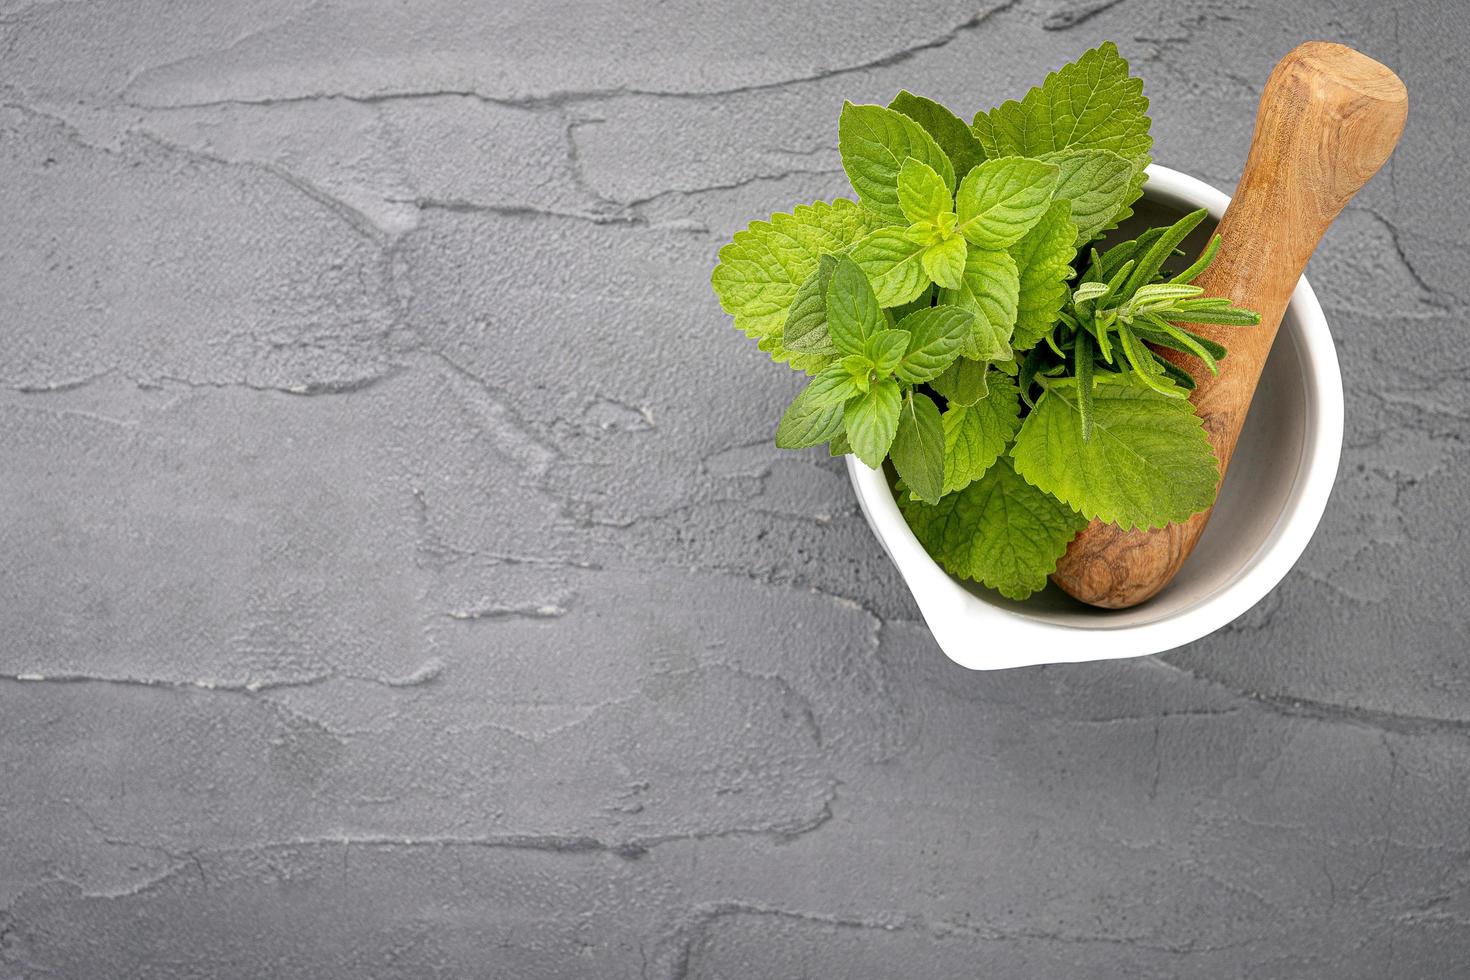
969	320
866	392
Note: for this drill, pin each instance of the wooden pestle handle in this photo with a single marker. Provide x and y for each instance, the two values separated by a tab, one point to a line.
1328	119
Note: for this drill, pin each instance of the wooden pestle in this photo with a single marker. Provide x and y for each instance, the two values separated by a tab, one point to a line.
1328	119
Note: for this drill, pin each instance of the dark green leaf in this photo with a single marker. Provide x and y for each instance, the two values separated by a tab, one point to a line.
936	335
976	435
955	138
809	422
1158	253
1082	355
1042	259
853	313
999	530
1096	183
806	324
874	142
885	349
918	447
964	383
1000	200
871	421
990	289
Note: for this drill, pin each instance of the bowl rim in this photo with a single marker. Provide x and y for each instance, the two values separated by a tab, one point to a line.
1013	639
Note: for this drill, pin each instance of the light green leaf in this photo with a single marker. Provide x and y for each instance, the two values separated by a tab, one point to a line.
893	263
1091	104
837	445
874	143
955	138
922	195
944	262
885	349
935	337
1098	185
999	530
871	421
1043	257
989	289
806	322
859	368
976	435
930	232
1000	200
762	269
832	385
1148	462
918	447
853	313
809	422
963	383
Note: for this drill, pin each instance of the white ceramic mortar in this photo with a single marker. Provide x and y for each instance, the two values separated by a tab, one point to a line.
1268	508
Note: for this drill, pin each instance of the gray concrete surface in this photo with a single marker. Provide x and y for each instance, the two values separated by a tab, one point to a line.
392	516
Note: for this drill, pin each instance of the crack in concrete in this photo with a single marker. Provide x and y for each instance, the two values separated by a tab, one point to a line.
1433	295
734	185
496	612
632	848
1065	18
573	97
348	386
424	674
354	217
1369	718
686	934
456	206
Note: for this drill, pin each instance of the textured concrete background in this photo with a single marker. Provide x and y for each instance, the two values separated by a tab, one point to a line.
393	518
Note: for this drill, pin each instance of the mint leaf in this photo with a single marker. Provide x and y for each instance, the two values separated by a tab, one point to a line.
1000	531
874	142
809	421
1099	186
935	337
1148	462
944	261
833	385
922	195
871	421
918	447
1001	199
955	138
988	288
762	268
1091	104
853	313
964	383
859	368
893	263
976	435
806	322
885	349
1043	258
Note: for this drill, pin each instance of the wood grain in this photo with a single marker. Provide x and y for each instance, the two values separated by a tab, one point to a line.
1328	119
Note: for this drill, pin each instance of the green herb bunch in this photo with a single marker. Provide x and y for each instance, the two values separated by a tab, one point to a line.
957	320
